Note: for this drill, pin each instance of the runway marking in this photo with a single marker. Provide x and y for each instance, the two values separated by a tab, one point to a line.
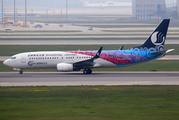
3	83
132	83
165	58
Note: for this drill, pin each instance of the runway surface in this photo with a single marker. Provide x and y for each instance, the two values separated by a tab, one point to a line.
97	78
76	42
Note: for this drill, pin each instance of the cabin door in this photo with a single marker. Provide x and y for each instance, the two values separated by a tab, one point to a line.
23	59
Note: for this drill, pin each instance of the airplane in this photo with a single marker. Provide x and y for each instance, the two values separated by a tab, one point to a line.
67	61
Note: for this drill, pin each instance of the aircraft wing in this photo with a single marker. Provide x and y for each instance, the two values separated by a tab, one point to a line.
90	62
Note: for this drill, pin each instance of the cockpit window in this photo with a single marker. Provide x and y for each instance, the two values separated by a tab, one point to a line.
13	57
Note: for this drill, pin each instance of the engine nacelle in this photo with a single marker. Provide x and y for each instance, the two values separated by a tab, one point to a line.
64	67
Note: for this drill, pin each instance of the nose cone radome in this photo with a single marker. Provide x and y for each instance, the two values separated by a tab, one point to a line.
6	62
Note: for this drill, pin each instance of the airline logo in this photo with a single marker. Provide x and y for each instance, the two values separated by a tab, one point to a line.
157	38
30	63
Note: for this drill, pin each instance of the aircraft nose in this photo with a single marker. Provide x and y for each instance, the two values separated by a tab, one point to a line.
6	62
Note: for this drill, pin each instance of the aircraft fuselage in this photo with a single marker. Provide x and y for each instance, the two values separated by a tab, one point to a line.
112	58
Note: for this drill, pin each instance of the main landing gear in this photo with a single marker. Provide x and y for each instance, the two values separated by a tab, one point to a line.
21	72
87	71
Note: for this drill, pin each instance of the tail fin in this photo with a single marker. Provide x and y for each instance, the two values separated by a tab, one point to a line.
156	40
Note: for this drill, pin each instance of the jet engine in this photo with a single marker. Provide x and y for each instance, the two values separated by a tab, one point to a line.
64	67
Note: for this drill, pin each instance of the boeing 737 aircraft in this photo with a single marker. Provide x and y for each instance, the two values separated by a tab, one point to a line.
66	61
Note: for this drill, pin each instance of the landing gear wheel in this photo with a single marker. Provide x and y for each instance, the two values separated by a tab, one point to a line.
87	71
20	72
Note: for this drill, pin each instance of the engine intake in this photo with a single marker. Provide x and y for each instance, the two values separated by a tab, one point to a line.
64	67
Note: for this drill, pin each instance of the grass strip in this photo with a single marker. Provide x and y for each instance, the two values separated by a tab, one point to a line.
117	34
9	50
157	65
135	30
39	31
105	38
73	34
90	103
120	26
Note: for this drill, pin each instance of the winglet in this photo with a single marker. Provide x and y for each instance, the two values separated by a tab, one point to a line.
121	48
98	53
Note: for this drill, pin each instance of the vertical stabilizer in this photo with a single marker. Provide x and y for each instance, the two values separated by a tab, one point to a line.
156	40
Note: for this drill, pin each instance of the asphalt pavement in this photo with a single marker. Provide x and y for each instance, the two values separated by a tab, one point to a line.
96	78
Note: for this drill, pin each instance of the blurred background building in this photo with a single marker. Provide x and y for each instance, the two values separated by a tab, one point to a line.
140	9
149	9
107	3
177	6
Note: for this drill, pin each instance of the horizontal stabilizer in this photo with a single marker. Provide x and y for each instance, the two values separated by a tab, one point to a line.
162	52
170	50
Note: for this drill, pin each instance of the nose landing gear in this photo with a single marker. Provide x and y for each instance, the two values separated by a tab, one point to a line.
21	72
87	71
